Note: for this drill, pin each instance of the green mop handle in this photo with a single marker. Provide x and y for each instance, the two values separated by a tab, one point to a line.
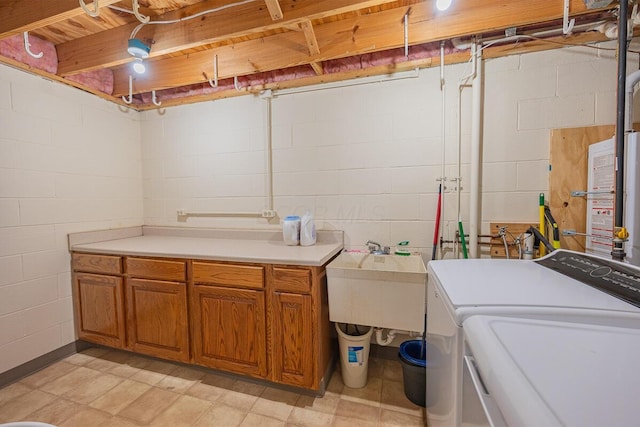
463	240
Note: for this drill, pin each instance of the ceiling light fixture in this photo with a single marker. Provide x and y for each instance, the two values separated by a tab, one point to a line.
138	66
443	4
138	48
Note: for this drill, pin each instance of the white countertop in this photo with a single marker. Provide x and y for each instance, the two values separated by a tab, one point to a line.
257	246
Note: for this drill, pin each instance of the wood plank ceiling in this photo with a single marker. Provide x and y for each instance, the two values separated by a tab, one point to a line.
251	45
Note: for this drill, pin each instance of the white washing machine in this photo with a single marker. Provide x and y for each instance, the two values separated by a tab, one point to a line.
531	372
563	286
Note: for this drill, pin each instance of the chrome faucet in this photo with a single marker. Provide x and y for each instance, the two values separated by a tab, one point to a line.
377	249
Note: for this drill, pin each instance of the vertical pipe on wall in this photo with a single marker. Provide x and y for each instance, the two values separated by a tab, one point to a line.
442	187
618	244
268	97
476	141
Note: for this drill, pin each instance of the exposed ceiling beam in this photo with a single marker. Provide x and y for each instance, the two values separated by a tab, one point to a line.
490	52
17	16
317	67
352	36
274	9
310	36
108	48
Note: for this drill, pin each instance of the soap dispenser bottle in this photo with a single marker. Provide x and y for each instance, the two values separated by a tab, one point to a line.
307	230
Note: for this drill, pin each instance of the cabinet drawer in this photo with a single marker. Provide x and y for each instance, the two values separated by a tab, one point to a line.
291	279
89	263
243	276
156	269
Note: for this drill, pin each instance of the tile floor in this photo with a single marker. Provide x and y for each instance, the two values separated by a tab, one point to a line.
101	387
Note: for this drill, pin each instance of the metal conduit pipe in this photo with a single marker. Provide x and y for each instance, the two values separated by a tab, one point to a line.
618	244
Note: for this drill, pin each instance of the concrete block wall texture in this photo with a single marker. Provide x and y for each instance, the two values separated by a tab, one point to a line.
68	162
364	159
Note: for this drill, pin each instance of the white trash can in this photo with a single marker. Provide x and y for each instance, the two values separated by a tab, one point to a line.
354	354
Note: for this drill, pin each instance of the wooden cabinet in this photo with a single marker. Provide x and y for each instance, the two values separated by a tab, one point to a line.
157	314
292	336
98	299
299	326
265	321
229	329
228	317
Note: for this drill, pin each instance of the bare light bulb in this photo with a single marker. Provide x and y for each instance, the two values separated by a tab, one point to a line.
443	4
139	67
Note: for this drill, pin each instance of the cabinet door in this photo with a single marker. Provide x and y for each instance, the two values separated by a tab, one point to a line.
99	309
157	318
229	329
292	334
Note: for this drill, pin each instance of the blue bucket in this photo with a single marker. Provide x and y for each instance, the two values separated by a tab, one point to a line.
414	370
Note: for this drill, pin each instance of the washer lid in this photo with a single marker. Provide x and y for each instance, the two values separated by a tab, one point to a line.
555	373
501	282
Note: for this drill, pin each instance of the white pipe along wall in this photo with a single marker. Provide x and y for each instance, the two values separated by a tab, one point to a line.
476	143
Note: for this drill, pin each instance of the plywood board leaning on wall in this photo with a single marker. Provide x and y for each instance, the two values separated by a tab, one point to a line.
568	160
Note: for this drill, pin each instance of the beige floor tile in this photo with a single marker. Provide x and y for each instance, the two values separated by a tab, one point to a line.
392	370
218	380
375	368
341	421
118	422
221	415
23	405
130	366
90	391
361	411
205	392
70	381
12	391
335	383
249	388
393	418
56	412
273	409
394	398
238	400
256	420
327	404
86	356
180	380
280	395
86	417
120	396
149	405
154	372
48	374
370	393
184	412
108	361
309	418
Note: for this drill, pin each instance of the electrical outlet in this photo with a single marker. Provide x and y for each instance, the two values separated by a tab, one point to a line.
182	212
268	213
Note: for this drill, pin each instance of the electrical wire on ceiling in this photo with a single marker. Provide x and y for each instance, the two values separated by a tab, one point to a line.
186	18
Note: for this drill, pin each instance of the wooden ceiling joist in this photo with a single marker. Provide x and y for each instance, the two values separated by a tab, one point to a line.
310	36
81	55
352	36
274	9
17	16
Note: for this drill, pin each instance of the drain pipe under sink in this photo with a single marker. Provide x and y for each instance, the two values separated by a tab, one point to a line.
391	335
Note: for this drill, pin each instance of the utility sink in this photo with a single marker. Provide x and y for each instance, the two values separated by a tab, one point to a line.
385	291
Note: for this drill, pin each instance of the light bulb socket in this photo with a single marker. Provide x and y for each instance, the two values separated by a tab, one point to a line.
138	48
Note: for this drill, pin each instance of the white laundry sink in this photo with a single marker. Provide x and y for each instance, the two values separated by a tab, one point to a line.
385	291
